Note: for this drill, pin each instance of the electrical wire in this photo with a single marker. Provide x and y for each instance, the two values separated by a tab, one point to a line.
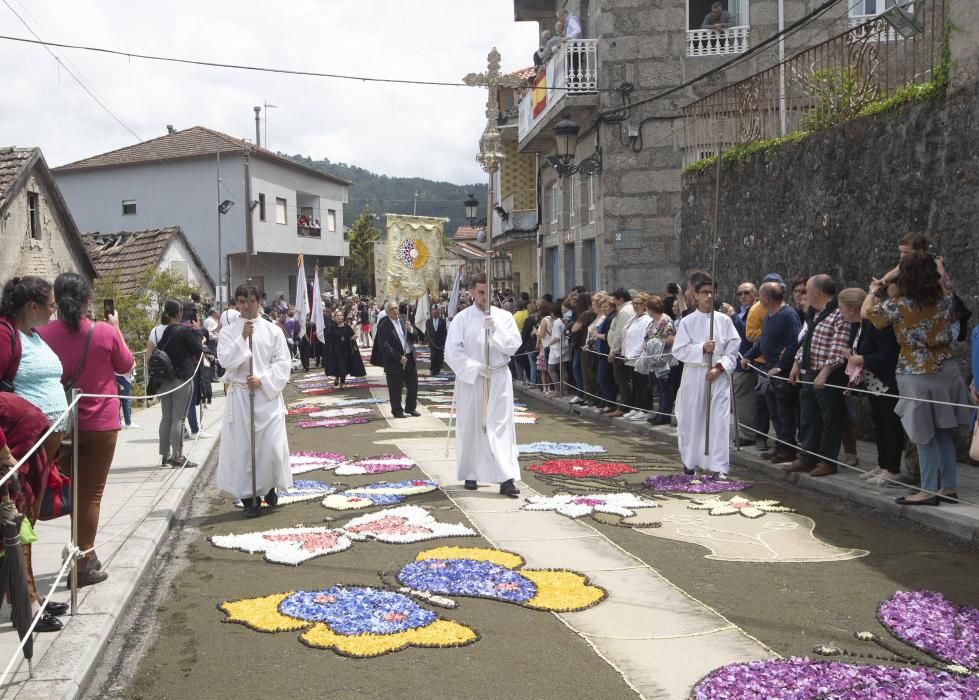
264	69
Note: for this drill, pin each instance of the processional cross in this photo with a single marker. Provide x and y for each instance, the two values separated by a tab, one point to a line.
490	157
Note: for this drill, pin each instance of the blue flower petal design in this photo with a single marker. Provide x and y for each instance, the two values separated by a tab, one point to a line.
468	577
357	610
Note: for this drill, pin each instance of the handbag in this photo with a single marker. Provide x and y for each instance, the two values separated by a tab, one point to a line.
56	501
71	383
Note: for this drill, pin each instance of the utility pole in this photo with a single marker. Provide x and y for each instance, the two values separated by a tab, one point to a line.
414	210
249	249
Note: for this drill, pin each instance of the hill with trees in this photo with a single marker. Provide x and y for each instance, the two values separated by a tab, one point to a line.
396	195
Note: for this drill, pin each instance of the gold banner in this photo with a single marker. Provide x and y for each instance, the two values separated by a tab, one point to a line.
414	249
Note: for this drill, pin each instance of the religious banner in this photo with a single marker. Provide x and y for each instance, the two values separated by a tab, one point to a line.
414	249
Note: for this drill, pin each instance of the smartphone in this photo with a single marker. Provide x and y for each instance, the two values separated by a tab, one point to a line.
109	307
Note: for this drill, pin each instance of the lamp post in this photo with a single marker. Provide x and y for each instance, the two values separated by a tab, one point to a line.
490	157
471	204
223	208
566	143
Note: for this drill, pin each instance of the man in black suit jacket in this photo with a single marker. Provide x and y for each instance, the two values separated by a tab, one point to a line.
394	350
435	332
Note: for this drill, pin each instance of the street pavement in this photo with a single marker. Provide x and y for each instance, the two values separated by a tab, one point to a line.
687	591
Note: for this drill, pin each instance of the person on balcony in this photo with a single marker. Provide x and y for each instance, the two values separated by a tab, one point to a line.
718	18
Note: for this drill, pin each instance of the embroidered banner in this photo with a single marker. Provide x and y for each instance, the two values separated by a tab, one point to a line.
414	249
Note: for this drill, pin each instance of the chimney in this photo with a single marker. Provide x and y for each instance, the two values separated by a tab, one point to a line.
170	129
258	130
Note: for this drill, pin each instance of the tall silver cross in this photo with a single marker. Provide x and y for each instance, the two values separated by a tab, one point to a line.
490	157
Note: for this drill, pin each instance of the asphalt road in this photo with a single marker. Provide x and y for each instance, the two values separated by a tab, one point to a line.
176	645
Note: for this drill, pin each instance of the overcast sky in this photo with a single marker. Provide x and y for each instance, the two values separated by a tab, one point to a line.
397	130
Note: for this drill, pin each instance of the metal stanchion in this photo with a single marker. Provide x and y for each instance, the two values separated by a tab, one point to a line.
560	364
74	501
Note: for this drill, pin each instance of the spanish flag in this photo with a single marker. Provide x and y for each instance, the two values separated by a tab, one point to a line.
538	96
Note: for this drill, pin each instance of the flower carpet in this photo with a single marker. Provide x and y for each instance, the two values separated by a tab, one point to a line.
928	622
382	493
623	504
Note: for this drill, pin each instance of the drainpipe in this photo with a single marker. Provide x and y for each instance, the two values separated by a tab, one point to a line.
781	66
258	129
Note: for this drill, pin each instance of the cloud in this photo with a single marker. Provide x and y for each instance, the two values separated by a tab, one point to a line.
398	130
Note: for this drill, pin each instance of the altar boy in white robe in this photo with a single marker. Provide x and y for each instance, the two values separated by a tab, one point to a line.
489	456
270	373
707	366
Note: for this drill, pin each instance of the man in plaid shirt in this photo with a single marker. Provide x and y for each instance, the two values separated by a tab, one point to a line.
821	360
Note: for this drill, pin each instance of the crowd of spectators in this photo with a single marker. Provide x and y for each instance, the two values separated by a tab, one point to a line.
810	354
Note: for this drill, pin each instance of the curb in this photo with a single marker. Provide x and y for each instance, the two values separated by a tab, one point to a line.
67	666
958	525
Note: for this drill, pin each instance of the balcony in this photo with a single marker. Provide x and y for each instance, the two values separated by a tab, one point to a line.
571	74
308	227
713	42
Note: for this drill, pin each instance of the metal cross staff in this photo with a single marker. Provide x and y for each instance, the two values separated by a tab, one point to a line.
490	157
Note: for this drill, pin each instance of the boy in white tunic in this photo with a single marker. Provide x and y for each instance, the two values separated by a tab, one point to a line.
492	455
707	366
270	373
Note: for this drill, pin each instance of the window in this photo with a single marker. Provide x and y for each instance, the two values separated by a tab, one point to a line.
261	206
34	214
586	202
591	200
571	190
331	220
555	205
280	210
180	268
128	207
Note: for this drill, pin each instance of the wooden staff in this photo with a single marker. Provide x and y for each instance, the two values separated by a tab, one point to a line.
708	356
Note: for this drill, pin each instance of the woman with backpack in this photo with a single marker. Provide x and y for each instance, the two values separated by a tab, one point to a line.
172	351
92	353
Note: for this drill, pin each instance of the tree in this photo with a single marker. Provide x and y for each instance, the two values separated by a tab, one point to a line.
363	235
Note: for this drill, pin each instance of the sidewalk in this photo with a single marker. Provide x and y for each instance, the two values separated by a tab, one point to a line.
960	521
138	506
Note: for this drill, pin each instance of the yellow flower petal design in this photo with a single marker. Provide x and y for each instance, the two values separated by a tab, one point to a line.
441	633
507	560
562	591
261	614
422	257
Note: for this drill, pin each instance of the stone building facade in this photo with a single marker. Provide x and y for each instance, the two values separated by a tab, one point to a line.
621	226
37	233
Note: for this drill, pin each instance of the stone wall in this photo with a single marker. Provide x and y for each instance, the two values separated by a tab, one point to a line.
839	200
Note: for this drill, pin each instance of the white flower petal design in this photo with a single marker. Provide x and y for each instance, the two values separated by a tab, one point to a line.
738	504
623	504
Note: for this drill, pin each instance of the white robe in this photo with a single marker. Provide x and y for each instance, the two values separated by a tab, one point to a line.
490	456
272	365
691	400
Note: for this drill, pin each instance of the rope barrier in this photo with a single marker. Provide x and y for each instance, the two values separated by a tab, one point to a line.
855	390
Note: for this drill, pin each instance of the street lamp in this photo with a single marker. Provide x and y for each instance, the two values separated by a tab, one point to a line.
566	137
223	208
471	204
566	142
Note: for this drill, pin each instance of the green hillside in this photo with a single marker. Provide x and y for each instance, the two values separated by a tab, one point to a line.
396	195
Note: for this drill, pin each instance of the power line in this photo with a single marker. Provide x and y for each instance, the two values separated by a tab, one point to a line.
265	69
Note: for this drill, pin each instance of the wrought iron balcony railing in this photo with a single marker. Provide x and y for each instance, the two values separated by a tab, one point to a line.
714	42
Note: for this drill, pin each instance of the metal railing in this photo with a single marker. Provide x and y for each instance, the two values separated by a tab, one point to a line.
572	69
820	86
714	42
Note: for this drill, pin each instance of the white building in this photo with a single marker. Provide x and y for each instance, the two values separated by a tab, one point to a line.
182	178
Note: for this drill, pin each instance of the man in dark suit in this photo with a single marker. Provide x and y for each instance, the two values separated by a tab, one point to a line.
435	332
394	350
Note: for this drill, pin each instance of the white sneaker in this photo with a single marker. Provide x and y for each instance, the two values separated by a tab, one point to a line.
850	459
638	416
201	434
131	426
576	399
877	480
876	471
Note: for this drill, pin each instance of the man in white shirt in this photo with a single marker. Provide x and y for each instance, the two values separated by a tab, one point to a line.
572	25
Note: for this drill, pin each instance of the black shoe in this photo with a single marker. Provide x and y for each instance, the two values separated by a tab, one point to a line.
398	415
91	577
761	444
661	420
49	623
414	414
746	442
183	463
908	480
508	488
470	485
932	501
689	472
252	510
949	497
272	498
55	609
